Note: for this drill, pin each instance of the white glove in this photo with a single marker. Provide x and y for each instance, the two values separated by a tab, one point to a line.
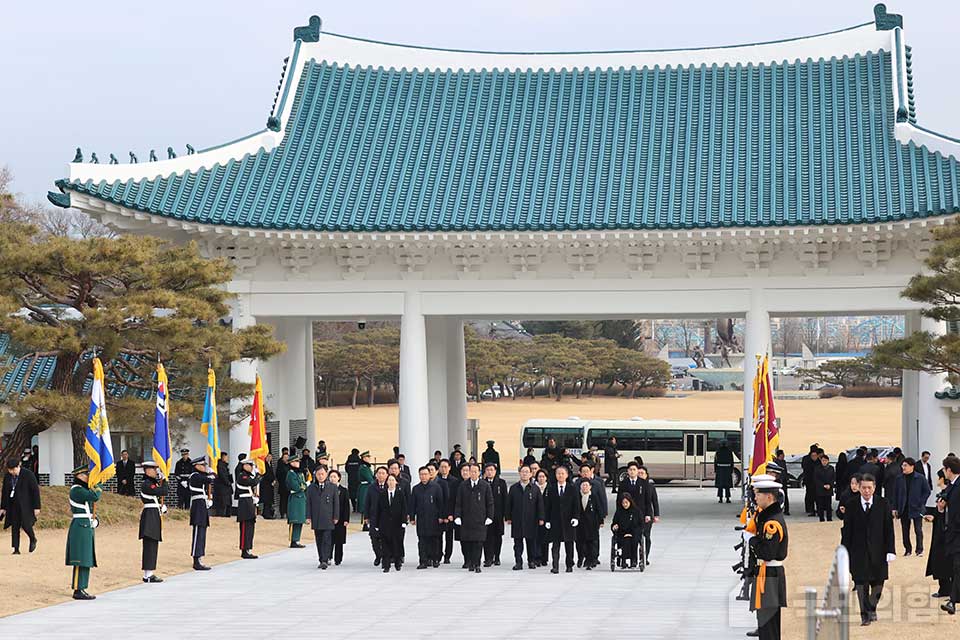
209	503
404	525
891	557
94	522
163	509
183	483
256	500
746	536
457	521
488	521
547	525
574	522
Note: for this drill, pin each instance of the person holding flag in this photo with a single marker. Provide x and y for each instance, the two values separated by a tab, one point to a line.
259	447
162	451
87	488
766	439
200	502
208	427
152	490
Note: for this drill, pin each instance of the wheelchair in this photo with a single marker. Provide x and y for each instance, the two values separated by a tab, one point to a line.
617	560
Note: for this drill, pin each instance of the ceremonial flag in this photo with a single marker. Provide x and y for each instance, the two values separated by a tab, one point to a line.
97	442
162	451
259	448
208	425
766	434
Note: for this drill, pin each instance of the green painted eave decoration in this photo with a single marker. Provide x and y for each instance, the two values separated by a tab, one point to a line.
59	199
886	21
309	32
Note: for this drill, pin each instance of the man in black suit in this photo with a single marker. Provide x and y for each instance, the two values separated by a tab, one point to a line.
924	469
427	512
562	511
20	503
867	535
809	465
639	490
126	468
524	513
223	487
949	505
453	484
473	513
405	470
494	541
283	465
371	508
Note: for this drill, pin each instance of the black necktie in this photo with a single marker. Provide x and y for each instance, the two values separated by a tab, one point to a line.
867	510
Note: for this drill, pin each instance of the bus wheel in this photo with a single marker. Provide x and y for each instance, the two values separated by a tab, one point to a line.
737	477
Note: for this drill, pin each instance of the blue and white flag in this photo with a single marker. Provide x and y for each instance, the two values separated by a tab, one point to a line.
97	443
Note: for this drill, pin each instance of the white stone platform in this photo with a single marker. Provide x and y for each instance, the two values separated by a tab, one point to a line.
687	592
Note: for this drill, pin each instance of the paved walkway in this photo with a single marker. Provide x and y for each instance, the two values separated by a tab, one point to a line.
687	592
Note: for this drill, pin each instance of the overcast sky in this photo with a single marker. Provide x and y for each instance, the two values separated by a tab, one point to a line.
122	75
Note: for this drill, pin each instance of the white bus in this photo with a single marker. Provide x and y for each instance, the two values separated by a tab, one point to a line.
671	449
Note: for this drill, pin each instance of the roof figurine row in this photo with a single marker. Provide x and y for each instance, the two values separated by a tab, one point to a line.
171	154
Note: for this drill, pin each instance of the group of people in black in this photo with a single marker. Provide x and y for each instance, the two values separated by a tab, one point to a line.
548	511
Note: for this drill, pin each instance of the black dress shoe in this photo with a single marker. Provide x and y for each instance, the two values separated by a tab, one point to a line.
436	564
949	607
446	561
465	566
198	566
246	555
153	579
16	552
865	623
376	562
579	562
569	569
937	594
386	568
422	566
476	569
397	565
518	566
589	567
296	545
324	565
33	546
554	570
532	565
753	634
873	616
487	564
80	594
496	562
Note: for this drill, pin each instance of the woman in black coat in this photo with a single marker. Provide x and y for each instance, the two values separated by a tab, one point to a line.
825	477
542	547
939	566
655	503
340	529
627	528
588	529
392	516
843	478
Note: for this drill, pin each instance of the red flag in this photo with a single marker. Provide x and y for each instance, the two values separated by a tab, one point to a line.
766	436
259	448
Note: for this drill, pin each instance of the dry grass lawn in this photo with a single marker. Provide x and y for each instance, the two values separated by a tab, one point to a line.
906	608
836	423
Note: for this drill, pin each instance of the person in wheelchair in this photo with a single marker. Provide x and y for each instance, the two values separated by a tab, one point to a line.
627	529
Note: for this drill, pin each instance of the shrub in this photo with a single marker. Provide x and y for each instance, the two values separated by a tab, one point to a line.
872	391
830	392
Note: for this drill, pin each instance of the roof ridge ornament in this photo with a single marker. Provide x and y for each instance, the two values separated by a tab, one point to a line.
309	32
886	21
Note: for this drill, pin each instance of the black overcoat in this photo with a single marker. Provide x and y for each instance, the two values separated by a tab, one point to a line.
642	496
474	505
323	506
427	507
498	488
524	509
340	531
199	513
868	539
391	516
951	533
591	517
151	490
26	498
560	510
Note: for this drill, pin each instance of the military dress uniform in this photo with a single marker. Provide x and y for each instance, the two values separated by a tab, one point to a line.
768	587
151	528
81	550
199	510
246	508
296	506
182	470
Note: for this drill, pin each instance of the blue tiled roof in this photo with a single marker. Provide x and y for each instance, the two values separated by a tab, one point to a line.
372	149
20	375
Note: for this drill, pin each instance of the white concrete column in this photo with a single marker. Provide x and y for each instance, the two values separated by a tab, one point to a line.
909	401
309	398
756	341
244	371
284	387
933	432
56	452
414	399
456	386
437	380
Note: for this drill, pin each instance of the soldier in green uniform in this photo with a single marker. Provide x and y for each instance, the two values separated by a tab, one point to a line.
296	503
81	552
365	475
768	588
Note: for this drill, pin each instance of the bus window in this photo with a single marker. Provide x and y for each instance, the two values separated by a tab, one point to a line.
664	440
714	438
598	438
566	437
630	439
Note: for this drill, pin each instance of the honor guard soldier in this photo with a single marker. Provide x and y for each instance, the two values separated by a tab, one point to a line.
296	502
152	491
768	589
200	503
246	507
182	470
81	551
